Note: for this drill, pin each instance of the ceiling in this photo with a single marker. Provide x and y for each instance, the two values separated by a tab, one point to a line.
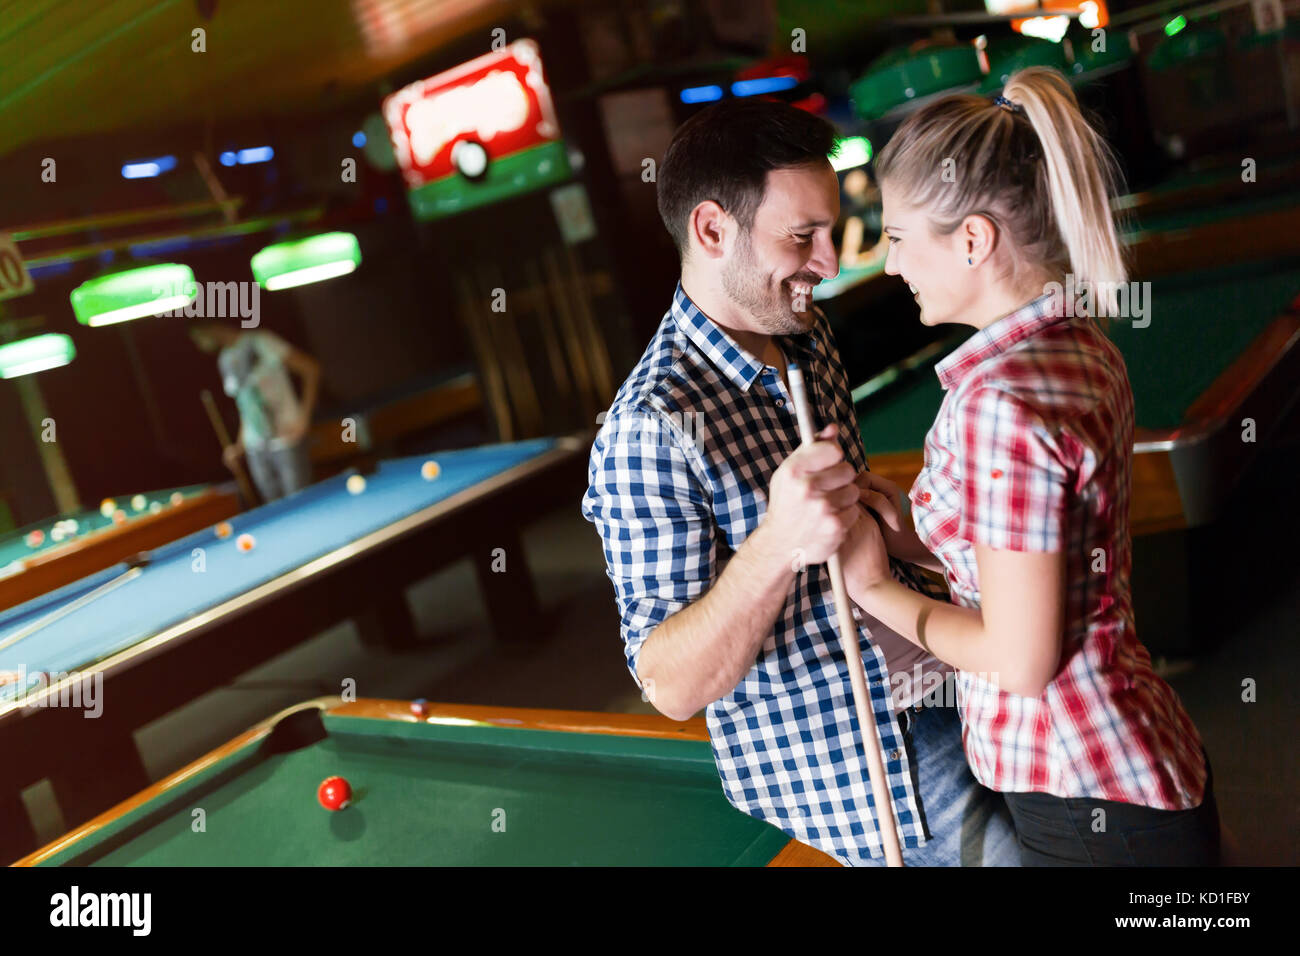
71	68
76	67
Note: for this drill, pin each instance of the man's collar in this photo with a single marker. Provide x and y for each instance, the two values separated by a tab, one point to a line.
721	349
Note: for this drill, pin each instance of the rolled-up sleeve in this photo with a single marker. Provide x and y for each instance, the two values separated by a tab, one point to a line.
654	519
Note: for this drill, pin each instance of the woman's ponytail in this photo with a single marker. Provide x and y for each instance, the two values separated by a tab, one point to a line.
1081	178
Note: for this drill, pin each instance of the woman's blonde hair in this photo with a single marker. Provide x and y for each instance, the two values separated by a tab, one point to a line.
1036	168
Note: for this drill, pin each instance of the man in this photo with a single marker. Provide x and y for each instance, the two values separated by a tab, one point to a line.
273	421
716	523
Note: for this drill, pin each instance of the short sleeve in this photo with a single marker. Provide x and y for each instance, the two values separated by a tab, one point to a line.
654	521
1015	482
271	346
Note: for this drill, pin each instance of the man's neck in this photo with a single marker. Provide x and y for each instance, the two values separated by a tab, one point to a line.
723	313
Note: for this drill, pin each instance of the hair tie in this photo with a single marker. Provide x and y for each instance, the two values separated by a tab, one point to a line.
1007	104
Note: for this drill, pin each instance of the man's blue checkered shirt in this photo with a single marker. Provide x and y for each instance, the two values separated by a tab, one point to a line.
678	479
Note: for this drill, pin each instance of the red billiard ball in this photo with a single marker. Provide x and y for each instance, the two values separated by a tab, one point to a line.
245	542
35	538
420	708
334	793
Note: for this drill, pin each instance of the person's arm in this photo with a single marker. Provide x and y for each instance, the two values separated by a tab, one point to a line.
1015	636
692	633
308	370
305	367
702	652
1013	494
233	452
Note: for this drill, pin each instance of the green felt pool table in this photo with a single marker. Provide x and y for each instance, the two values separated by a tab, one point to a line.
1221	346
459	786
134	641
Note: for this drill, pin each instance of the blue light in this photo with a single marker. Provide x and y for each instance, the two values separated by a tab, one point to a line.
148	168
701	94
49	270
767	84
161	247
228	158
359	139
255	154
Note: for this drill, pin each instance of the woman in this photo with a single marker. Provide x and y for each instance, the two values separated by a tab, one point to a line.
1023	500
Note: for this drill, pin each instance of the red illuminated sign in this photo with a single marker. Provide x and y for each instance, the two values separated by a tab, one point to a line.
499	101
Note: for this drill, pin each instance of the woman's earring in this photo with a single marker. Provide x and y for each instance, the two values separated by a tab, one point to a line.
970	261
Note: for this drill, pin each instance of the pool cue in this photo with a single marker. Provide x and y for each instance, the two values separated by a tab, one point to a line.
857	676
128	575
223	436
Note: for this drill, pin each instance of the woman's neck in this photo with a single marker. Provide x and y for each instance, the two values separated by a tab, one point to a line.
1004	298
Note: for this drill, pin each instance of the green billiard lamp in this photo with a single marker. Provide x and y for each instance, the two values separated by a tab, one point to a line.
35	354
133	293
295	262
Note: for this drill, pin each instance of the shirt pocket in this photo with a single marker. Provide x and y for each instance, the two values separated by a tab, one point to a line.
936	509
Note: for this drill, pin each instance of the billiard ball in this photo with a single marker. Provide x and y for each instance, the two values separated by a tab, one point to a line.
334	793
177	498
35	538
224	530
356	485
420	708
119	516
245	542
57	533
430	470
138	503
107	507
155	507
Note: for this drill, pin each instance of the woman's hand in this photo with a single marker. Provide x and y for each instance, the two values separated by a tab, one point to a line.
881	496
863	556
884	498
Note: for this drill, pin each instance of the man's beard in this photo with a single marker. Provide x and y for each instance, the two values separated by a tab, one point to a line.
746	286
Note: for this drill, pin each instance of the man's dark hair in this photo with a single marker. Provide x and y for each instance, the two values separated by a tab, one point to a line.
724	153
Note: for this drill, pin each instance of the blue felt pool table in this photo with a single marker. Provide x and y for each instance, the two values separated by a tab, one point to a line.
145	636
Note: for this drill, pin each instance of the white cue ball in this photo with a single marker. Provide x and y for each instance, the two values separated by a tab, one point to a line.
356	485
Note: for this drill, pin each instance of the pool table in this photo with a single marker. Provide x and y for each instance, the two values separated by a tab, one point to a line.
100	542
461	786
1222	345
1164	234
1217	182
198	612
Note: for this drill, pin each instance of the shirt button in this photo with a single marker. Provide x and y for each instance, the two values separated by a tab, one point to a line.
924	497
780	403
796	811
894	755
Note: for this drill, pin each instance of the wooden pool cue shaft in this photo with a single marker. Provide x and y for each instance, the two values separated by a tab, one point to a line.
223	436
857	676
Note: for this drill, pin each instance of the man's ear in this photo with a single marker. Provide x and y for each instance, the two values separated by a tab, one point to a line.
709	227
